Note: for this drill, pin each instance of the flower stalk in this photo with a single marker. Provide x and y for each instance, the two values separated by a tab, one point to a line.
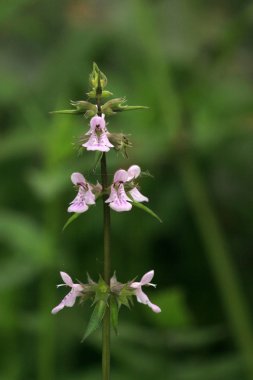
106	333
107	266
108	294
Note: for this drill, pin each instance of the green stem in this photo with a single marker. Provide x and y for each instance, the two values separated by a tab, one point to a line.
107	264
220	260
107	260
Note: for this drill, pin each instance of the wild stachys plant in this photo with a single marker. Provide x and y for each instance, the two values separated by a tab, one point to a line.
108	294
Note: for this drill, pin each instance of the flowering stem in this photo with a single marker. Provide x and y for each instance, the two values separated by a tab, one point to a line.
107	260
106	320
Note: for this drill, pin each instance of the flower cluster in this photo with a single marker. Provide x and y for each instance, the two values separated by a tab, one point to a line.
122	194
70	299
116	289
85	196
123	191
98	135
120	200
140	295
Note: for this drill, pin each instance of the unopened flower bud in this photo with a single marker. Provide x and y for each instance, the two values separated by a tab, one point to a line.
97	78
105	94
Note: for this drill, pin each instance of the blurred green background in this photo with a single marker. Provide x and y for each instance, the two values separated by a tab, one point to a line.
190	61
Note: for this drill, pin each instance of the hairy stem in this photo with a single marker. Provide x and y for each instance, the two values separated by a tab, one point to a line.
107	261
107	264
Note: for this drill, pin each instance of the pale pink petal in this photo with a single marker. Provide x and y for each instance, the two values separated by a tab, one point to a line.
104	141
120	206
122	194
79	208
92	143
120	176
135	285
66	278
96	142
137	196
78	288
133	172
58	308
147	277
141	296
113	195
89	197
97	121
77	178
118	199
155	308
78	204
70	298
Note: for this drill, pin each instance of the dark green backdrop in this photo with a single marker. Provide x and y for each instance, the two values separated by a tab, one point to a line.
190	62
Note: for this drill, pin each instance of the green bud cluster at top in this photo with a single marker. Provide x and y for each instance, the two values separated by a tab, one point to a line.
98	82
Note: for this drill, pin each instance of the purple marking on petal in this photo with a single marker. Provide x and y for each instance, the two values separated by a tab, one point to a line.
113	195
97	120
122	194
118	199
77	178
100	143
120	206
79	208
89	197
103	140
137	196
120	176
78	204
92	142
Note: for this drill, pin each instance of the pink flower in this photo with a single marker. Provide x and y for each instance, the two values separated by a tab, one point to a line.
84	196
98	139
70	298
133	172
118	199
140	295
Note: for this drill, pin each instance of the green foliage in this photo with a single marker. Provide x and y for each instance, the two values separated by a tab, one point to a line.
190	62
147	210
71	219
96	318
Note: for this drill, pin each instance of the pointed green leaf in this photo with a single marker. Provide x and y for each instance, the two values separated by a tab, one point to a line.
70	220
75	112
114	314
147	209
95	319
131	108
